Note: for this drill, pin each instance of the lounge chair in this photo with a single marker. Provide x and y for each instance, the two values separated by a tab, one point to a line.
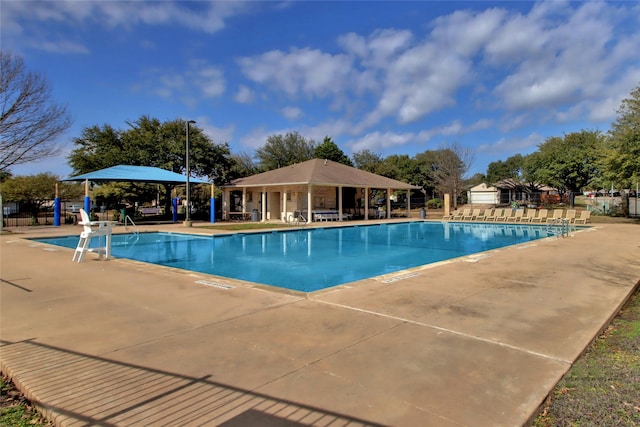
488	214
583	218
518	215
498	213
542	216
529	215
557	215
506	215
570	215
459	215
471	215
478	215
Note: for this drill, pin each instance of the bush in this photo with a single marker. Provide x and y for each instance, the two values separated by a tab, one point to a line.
434	204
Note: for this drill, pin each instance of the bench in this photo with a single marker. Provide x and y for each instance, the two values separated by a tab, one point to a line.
150	211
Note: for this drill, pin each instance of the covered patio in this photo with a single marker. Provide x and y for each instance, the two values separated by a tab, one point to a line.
141	174
315	190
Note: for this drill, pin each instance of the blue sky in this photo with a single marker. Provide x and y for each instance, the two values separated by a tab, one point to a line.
497	78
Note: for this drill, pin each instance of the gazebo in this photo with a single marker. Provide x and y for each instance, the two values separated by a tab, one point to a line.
130	173
316	188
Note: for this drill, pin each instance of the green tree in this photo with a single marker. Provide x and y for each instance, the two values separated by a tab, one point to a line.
510	168
367	160
427	162
330	151
149	142
284	150
569	163
243	166
446	169
30	121
33	191
623	162
477	179
400	167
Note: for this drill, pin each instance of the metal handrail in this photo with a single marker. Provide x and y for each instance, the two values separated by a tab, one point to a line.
563	224
132	223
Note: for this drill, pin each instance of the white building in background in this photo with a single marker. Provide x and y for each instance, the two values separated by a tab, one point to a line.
483	195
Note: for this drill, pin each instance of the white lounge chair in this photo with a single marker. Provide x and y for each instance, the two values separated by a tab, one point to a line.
496	213
583	218
518	215
542	216
557	215
529	215
472	215
505	215
488	213
459	215
570	215
86	235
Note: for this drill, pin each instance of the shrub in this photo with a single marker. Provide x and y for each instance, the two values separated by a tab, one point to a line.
434	204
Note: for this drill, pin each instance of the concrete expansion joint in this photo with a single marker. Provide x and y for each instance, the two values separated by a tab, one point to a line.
450	331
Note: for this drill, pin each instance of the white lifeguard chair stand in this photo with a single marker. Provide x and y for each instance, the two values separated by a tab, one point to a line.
103	230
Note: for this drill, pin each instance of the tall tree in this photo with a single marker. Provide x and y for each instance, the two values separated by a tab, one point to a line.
569	163
30	120
149	142
510	168
330	151
623	164
367	160
243	165
284	150
427	165
451	164
400	167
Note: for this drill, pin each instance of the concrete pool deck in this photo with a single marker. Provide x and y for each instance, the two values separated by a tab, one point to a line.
476	341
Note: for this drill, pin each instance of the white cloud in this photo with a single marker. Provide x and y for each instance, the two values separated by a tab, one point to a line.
452	129
375	141
217	134
306	71
291	113
573	57
464	32
379	48
199	81
244	95
512	144
257	137
209	80
208	17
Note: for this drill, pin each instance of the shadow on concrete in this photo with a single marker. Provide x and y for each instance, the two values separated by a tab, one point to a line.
80	389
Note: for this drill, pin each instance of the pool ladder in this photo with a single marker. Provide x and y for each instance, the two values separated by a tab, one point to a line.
128	218
559	227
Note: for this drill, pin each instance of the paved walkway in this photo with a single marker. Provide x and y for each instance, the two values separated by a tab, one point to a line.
478	341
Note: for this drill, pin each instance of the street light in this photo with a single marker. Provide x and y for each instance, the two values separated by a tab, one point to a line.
187	219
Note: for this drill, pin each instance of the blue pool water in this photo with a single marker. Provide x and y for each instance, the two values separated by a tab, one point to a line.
316	258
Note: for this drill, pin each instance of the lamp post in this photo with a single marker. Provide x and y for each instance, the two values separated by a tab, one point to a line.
187	219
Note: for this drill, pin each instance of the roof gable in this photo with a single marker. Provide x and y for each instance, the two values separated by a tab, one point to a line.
320	172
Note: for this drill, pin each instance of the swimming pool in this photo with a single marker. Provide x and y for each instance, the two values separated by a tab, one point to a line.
316	258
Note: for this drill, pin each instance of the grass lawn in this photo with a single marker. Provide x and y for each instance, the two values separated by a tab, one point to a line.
603	387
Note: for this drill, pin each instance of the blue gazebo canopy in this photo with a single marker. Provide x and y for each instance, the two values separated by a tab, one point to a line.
128	173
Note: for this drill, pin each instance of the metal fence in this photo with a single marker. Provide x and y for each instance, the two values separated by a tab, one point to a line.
20	214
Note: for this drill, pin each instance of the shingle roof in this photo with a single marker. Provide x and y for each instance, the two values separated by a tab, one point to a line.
320	172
